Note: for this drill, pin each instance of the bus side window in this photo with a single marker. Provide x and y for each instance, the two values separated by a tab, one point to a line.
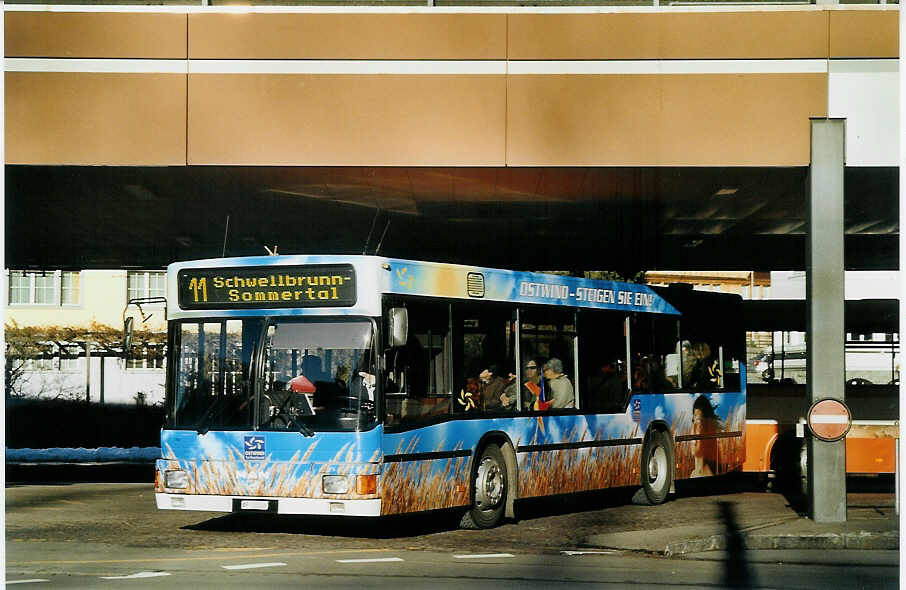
602	362
547	334
485	341
416	383
653	340
710	361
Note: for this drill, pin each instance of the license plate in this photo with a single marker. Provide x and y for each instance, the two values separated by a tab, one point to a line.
253	505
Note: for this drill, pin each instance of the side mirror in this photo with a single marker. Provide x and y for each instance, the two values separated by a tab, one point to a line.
398	326
128	331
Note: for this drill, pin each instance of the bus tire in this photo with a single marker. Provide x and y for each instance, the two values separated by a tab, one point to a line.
489	490
657	468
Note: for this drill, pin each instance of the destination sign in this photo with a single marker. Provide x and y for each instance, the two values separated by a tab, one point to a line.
267	287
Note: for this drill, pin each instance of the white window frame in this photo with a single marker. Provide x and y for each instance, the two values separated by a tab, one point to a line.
57	277
146	283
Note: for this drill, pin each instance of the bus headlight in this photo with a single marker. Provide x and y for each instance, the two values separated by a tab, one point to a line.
334	484
177	479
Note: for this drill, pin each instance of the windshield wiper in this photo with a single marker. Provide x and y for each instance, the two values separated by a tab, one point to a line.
304	429
204	424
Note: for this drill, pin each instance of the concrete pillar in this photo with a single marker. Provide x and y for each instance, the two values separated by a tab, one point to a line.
825	372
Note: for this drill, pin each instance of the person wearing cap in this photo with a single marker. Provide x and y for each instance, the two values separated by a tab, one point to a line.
562	393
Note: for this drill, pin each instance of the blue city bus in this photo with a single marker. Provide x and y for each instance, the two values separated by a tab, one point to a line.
372	386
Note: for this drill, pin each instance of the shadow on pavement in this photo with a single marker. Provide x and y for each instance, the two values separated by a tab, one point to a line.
408	525
390	527
532	508
720	485
737	573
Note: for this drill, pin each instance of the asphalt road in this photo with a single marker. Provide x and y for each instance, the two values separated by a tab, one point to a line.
112	536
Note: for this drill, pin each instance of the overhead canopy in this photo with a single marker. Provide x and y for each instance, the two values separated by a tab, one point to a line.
622	219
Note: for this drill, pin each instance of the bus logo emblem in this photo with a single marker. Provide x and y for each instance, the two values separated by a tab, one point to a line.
254	448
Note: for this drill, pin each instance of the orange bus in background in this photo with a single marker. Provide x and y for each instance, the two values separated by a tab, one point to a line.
775	430
777	396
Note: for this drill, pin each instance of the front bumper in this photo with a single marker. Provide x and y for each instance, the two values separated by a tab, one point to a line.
313	506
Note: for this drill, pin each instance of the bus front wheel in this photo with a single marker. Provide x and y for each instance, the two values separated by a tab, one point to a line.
489	488
657	468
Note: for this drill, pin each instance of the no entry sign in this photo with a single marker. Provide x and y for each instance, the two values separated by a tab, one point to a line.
829	419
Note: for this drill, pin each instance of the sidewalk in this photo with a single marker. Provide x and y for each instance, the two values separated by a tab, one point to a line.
761	521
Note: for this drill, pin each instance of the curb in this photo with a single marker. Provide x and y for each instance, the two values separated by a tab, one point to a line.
860	540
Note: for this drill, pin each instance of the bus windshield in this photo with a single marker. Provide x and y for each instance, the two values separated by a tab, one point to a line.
311	375
319	375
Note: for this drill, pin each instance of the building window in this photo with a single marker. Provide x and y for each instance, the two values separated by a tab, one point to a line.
69	287
146	284
44	287
19	287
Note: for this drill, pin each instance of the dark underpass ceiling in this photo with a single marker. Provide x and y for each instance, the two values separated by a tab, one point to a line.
622	219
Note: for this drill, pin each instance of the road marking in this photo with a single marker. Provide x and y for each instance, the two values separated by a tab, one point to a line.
212	557
136	576
607	552
32	581
483	555
375	560
249	566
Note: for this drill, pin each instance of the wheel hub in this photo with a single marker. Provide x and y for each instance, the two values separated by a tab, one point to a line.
657	464
489	484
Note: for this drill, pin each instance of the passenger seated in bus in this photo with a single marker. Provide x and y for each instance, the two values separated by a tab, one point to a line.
491	388
508	397
608	388
534	389
706	371
562	393
672	365
648	374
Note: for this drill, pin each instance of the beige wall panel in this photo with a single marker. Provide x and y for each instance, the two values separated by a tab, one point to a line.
863	33
709	35
347	36
691	120
108	119
310	120
95	34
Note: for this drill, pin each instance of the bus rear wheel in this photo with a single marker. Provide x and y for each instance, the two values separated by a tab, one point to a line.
489	489
657	468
